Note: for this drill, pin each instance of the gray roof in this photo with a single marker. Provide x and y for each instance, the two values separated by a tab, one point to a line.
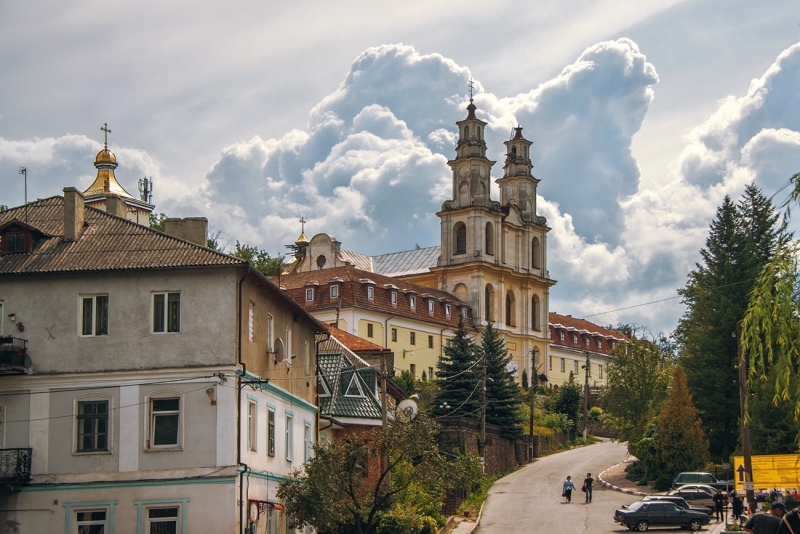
360	261
337	372
407	262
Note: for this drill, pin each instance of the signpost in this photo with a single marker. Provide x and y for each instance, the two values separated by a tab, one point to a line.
769	471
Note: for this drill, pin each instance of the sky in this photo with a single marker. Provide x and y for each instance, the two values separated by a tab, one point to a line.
643	115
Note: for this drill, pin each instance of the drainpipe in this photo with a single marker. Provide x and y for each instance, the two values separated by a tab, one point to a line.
239	408
317	378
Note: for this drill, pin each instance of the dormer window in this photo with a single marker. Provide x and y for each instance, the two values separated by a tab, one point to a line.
447	310
561	336
599	344
14	242
587	341
309	294
16	237
575	338
464	313
412	301
334	292
394	298
430	306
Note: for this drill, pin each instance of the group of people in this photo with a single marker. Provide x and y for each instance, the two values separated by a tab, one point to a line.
588	484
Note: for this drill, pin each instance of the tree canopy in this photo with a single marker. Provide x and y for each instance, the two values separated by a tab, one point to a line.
459	375
502	393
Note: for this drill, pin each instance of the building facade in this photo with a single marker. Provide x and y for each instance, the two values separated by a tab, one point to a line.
147	383
572	341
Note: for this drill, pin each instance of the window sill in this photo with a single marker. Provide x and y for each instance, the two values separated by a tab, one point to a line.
92	453
164	449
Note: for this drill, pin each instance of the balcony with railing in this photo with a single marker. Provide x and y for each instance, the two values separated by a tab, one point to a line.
14	357
15	467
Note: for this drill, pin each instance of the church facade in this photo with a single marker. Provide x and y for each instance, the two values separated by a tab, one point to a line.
493	253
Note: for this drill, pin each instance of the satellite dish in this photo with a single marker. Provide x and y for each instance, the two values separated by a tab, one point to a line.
278	350
406	411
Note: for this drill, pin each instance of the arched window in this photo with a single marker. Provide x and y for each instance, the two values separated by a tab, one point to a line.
489	239
535	312
461	238
510	305
514	150
536	253
488	303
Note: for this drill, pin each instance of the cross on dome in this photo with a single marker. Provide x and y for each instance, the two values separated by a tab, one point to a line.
106	131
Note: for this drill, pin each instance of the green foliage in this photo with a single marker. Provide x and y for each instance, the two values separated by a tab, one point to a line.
525	385
405	382
424	376
638	376
681	444
3	208
595	413
459	362
742	239
260	259
502	393
558	421
772	426
344	483
568	402
157	221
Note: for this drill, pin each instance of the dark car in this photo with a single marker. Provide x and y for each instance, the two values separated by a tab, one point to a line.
696	477
678	501
643	515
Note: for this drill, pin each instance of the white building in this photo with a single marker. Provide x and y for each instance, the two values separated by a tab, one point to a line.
133	378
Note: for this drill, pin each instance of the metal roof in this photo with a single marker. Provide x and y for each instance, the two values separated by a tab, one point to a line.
407	262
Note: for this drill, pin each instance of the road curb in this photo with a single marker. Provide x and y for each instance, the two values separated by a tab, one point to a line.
615	488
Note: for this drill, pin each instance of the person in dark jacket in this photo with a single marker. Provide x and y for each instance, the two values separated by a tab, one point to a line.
588	482
790	523
769	523
737	505
719	503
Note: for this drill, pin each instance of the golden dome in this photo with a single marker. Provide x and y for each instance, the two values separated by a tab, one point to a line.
105	156
302	240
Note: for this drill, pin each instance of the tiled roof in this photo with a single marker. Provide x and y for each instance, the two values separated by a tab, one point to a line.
338	373
583	328
354	293
407	262
107	243
354	343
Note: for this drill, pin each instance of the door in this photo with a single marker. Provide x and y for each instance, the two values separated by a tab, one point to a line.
655	513
673	515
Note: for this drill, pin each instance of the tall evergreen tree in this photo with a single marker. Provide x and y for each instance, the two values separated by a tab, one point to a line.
502	393
741	240
459	375
681	444
568	402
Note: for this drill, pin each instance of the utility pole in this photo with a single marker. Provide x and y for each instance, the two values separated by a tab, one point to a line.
482	444
586	397
748	464
534	384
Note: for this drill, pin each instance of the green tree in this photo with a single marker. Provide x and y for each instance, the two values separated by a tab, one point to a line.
459	375
638	377
772	425
345	482
157	221
741	239
502	393
681	444
260	259
568	402
405	382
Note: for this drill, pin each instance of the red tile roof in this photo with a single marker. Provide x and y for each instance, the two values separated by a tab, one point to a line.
355	343
571	326
353	292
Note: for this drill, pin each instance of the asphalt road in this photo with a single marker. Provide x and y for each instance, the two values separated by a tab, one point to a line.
529	500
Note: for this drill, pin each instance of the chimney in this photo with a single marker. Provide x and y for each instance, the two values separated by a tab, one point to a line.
115	205
193	229
73	214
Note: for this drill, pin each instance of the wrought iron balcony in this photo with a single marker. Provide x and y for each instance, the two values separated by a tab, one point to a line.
15	466
13	355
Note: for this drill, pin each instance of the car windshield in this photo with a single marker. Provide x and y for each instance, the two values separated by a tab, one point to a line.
635	506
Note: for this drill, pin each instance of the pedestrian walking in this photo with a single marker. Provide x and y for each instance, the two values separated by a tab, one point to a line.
737	505
769	523
569	487
588	482
719	503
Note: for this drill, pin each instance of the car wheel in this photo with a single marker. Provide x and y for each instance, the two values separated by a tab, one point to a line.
642	526
696	524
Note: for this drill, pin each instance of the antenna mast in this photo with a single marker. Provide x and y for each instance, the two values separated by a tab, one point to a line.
24	172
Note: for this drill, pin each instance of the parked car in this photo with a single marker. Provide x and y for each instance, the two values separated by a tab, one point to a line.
643	515
696	495
694	477
678	501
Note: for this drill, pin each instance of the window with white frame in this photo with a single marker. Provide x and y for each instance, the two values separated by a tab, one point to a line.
599	344
587	341
412	301
252	425
92	426
430	306
309	294
92	521
464	313
563	364
575	338
163	520
165	416
251	322
561	336
370	292
270	431
394	298
334	291
270	334
289	436
166	312
308	442
289	347
94	315
447	310
575	364
394	334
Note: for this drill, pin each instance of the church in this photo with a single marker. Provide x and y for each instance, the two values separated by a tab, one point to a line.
493	253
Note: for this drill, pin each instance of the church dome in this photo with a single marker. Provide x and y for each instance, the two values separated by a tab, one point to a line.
105	156
302	240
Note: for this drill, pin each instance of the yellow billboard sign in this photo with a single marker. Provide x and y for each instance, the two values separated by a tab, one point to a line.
769	471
